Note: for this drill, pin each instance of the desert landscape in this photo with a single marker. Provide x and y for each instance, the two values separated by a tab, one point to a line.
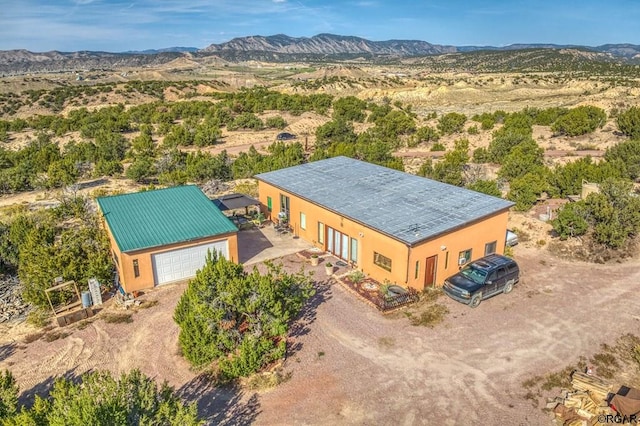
346	363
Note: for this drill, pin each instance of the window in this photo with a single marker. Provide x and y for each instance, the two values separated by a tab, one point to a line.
446	260
382	261
284	204
269	204
303	221
136	268
354	250
321	232
115	257
464	257
490	248
417	269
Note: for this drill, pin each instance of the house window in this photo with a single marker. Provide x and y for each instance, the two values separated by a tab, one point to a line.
136	268
284	204
446	260
417	269
303	221
382	261
269	204
115	257
464	257
353	256
490	248
321	232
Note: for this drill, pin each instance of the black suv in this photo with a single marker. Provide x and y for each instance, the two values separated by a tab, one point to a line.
482	279
284	136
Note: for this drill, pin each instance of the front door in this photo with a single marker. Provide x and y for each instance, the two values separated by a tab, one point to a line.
430	271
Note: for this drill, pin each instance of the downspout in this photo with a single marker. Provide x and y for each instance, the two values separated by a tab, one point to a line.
406	280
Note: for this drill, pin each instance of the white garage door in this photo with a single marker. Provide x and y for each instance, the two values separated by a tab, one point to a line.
180	264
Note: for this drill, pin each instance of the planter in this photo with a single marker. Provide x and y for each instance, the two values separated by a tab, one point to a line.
314	260
328	268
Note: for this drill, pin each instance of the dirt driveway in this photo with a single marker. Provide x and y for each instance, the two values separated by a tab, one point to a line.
350	365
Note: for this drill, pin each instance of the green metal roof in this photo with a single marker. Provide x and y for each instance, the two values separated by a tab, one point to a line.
165	216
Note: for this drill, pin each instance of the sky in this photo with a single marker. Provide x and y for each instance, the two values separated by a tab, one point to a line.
125	25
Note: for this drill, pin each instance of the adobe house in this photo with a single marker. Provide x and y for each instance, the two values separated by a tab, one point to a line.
163	236
391	225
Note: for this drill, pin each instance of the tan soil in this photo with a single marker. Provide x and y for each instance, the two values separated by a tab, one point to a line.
351	365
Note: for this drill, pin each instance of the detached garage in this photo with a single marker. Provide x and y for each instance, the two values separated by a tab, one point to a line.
163	236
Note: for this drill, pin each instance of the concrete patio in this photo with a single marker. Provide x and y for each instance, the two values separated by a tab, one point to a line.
259	244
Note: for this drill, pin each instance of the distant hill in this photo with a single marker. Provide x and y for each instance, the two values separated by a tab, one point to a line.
282	48
329	44
166	49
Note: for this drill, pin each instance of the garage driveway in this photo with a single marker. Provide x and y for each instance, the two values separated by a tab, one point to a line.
353	366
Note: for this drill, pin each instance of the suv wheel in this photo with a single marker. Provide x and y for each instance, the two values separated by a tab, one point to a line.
475	300
508	287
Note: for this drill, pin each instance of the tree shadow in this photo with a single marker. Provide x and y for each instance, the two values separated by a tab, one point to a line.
217	404
43	389
308	315
6	350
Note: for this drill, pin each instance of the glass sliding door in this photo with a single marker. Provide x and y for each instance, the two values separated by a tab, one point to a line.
344	252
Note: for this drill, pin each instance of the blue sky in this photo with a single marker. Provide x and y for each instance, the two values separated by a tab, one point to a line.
119	25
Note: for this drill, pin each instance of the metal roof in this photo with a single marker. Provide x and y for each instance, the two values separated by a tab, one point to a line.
235	201
406	207
165	216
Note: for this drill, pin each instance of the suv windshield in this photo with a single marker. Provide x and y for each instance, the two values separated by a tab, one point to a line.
475	275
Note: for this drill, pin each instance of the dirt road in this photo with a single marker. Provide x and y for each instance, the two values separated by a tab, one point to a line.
355	367
350	365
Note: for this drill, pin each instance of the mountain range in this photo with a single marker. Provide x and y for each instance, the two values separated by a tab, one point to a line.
278	48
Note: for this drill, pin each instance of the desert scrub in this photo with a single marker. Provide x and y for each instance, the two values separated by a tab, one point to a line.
38	318
431	317
115	318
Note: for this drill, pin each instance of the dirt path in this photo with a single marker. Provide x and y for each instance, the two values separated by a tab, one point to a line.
358	368
350	365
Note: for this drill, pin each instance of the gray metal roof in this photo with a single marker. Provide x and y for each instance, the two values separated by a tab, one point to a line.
406	207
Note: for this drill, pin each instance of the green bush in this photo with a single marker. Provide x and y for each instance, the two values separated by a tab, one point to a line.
238	318
629	122
438	147
489	187
580	121
276	122
101	400
451	123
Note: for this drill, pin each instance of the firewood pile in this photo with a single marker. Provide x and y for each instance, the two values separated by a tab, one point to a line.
584	404
12	307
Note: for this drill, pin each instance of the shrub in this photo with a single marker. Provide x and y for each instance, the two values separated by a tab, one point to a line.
580	120
451	123
438	147
239	319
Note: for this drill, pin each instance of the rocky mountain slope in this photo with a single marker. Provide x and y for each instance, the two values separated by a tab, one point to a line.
279	48
330	44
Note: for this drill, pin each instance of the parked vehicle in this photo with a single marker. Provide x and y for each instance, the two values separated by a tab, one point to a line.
511	238
482	279
284	136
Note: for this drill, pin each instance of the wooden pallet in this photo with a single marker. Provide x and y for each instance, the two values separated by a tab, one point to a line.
597	388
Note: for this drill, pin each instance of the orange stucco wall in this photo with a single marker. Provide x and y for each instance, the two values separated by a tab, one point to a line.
403	258
124	261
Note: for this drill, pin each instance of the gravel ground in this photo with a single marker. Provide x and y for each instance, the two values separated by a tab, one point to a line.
351	365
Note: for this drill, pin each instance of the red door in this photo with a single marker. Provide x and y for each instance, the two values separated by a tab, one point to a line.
430	271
